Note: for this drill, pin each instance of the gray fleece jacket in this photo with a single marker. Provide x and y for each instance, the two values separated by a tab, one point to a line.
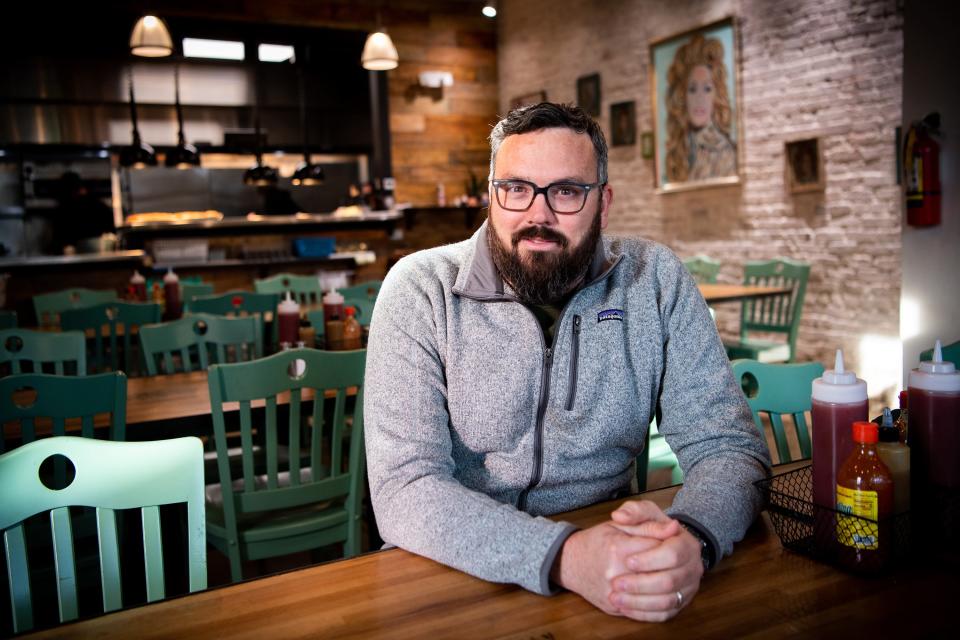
475	428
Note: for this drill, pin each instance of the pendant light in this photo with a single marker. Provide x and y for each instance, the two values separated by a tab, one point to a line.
150	38
259	175
490	9
307	174
183	156
379	54
139	154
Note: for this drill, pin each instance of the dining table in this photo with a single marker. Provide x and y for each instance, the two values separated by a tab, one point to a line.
715	293
761	591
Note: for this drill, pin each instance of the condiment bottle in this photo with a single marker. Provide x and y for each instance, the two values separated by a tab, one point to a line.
157	295
332	306
171	295
288	320
902	424
333	333
896	456
308	335
352	331
934	392
839	400
138	286
864	489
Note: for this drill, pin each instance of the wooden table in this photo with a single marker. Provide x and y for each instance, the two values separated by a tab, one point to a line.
762	591
715	293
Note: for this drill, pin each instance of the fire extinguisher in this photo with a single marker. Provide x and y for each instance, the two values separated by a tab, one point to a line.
921	163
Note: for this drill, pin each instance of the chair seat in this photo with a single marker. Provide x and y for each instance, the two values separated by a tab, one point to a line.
214	492
760	350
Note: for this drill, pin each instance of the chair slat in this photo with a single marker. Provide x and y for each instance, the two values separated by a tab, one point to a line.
270	415
109	560
803	434
295	435
153	553
246	442
64	564
779	436
336	437
86	426
18	574
317	438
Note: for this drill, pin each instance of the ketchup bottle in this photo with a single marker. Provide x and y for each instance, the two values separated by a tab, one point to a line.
351	331
839	400
934	397
864	489
332	306
138	286
171	295
288	319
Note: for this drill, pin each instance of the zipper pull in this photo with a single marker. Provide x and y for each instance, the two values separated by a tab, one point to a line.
576	324
548	354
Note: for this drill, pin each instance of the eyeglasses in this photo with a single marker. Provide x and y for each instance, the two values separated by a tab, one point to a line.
561	197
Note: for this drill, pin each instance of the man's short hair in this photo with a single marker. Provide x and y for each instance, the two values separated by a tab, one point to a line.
547	115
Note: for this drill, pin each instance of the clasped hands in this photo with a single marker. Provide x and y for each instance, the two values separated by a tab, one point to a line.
632	565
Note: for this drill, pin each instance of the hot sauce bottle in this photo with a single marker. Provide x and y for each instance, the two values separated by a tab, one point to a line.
839	400
934	397
171	295
864	489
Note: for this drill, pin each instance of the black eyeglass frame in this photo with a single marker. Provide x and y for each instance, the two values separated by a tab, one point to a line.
544	190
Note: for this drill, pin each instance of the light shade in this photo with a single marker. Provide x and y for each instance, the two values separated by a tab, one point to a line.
379	54
260	175
308	175
138	155
490	9
183	156
150	38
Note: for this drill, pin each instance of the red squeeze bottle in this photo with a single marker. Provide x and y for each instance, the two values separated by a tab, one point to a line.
839	400
288	319
138	285
171	295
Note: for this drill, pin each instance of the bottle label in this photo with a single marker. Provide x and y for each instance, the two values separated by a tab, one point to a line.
857	532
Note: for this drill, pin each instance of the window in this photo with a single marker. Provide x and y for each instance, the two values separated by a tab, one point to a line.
276	53
219	49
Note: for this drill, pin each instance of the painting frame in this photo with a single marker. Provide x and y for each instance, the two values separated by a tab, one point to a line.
623	124
588	94
713	130
534	97
803	162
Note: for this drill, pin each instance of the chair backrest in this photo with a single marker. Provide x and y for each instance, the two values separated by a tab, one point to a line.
60	353
362	306
777	390
33	404
777	314
48	306
109	476
8	319
300	375
239	304
113	323
704	269
189	290
304	289
949	353
363	290
197	340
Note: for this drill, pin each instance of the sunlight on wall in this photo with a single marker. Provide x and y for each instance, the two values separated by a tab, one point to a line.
880	365
909	318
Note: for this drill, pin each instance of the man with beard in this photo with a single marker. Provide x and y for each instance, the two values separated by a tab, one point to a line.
514	376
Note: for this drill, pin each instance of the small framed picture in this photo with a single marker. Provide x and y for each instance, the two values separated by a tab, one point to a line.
646	144
804	165
535	97
588	94
623	124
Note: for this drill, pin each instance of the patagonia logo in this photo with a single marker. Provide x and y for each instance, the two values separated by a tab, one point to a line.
610	314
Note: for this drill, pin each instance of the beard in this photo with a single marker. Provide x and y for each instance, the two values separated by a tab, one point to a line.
543	277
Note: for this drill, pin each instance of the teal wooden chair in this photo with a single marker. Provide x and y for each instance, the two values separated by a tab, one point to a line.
776	314
271	510
657	455
113	326
190	290
48	306
304	289
35	404
8	319
363	290
109	476
240	304
197	340
776	391
949	353
25	351
704	269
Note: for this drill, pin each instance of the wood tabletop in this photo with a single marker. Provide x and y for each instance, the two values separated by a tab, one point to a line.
715	293
762	591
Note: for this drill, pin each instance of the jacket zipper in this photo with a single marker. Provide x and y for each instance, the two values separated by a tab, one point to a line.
574	360
538	430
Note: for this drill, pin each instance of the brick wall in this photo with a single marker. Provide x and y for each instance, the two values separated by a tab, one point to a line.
829	69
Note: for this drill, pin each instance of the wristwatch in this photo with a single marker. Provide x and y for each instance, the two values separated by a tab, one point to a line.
706	549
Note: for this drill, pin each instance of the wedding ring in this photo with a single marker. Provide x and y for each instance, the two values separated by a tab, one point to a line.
679	600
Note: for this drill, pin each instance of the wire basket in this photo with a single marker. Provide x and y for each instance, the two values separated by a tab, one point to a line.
847	541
